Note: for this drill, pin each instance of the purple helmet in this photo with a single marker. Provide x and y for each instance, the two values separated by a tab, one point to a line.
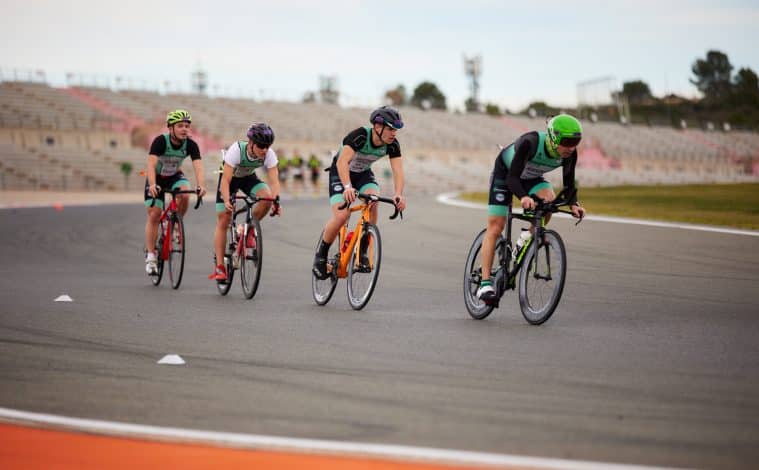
261	134
387	116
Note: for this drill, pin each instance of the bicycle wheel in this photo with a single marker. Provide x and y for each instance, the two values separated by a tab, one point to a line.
158	250
251	259
473	275
363	274
176	250
230	246
541	278
323	289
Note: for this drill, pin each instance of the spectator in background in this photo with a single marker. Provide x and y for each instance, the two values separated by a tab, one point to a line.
314	166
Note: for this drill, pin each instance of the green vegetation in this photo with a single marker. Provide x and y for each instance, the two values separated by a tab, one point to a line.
730	205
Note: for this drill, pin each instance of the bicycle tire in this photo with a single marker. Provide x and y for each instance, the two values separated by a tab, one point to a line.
541	282
477	309
156	280
322	289
229	247
361	287
250	262
177	250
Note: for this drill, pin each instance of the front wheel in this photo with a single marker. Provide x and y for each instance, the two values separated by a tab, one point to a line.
541	278
177	250
364	267
324	288
159	254
251	257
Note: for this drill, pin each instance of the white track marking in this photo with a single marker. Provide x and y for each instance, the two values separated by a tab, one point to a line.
452	200
171	360
252	441
63	298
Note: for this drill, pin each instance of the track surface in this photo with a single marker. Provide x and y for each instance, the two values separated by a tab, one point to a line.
652	357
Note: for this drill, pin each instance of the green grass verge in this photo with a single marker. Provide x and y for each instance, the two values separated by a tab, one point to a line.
729	205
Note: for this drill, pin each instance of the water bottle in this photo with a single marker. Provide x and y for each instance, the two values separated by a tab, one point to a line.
524	237
347	241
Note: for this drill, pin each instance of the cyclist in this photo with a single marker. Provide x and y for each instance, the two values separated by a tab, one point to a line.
238	172
518	171
350	174
163	173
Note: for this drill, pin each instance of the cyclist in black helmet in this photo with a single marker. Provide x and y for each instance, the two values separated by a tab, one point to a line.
350	174
238	172
164	172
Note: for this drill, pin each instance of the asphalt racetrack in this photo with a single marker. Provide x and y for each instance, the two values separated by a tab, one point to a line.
651	358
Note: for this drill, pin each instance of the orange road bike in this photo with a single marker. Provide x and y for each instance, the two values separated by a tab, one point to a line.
355	255
244	249
541	265
171	244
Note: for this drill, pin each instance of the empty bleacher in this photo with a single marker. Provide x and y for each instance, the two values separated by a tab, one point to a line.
81	136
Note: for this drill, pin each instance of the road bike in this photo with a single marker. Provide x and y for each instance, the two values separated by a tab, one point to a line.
244	248
171	244
356	255
540	265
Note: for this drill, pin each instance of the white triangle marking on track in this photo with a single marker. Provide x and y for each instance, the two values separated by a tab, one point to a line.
172	360
63	298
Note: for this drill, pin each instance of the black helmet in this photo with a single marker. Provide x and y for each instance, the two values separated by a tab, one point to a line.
387	116
261	134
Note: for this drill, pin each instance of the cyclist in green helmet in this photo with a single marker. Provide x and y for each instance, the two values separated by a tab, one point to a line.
518	171
163	172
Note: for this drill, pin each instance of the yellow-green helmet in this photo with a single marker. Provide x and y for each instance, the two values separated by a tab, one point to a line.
564	130
178	115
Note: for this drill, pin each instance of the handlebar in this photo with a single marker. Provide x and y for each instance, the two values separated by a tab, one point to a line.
564	198
369	198
250	201
174	192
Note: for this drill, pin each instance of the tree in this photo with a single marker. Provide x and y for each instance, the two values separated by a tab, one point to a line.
746	88
126	168
713	77
637	92
428	96
492	109
397	96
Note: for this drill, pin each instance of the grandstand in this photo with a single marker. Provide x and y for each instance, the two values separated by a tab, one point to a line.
76	138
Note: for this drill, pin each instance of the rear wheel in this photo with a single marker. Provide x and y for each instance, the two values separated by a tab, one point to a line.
323	289
176	250
363	271
473	275
541	278
251	258
229	248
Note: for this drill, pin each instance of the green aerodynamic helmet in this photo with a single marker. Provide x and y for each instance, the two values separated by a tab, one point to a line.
564	130
178	115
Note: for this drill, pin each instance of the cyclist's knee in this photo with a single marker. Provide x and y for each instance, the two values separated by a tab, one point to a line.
222	219
496	224
154	215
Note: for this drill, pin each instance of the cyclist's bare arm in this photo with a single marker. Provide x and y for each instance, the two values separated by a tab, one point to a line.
343	171
150	174
272	177
226	178
200	177
399	181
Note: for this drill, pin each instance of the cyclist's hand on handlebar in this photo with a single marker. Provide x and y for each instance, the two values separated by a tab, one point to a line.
350	194
578	211
276	209
201	191
527	203
153	190
400	202
228	206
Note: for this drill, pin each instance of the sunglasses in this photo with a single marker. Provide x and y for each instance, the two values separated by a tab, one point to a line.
570	141
262	147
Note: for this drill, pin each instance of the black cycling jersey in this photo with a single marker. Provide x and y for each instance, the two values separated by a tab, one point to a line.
525	148
158	147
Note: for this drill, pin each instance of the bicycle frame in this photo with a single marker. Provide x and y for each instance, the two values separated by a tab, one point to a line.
343	256
505	278
170	209
248	209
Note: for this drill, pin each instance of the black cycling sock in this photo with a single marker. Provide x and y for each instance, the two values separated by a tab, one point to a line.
323	248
